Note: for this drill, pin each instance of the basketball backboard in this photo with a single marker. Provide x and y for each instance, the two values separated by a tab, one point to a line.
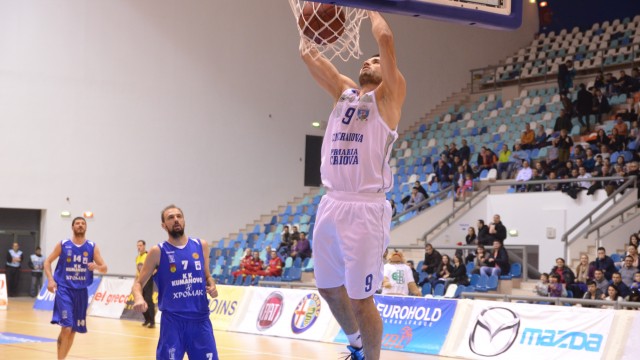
494	14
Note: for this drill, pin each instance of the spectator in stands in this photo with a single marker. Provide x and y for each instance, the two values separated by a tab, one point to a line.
497	262
497	230
555	286
432	260
592	293
564	144
635	285
552	186
584	175
584	105
634	239
398	278
627	271
415	199
245	265
464	152
480	259
601	282
632	250
528	137
623	289
302	249
634	132
471	238
255	266
504	160
542	286
553	154
284	248
579	287
601	106
487	159
627	84
453	151
466	187
483	234
394	208
617	142
600	140
612	295
295	234
609	85
458	275
566	73
414	272
445	151
598	83
535	176
621	126
443	273
541	137
524	174
274	268
443	173
421	189
517	156
563	121
565	275
578	153
590	160
564	172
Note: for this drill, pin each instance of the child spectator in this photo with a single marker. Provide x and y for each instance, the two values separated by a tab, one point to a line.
466	187
593	293
555	286
542	286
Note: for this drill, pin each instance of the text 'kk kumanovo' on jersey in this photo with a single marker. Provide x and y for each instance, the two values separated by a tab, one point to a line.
72	268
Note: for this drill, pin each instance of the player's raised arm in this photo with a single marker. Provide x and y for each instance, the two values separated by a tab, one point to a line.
393	90
325	74
149	266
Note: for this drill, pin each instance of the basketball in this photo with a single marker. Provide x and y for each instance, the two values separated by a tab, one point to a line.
322	23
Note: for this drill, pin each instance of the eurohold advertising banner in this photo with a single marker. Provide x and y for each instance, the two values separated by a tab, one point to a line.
412	324
44	300
291	313
111	297
498	330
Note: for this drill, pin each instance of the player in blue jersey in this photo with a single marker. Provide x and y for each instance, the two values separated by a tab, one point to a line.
183	282
353	220
77	259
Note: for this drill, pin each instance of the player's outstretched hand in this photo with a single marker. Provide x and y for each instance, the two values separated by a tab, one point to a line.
140	306
52	286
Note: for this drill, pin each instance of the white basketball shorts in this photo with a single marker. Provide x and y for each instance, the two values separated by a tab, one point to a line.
349	238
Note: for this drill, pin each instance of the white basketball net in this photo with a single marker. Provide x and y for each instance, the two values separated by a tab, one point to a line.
347	44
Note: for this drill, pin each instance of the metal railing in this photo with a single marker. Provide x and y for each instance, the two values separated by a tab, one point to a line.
479	74
441	195
619	304
620	213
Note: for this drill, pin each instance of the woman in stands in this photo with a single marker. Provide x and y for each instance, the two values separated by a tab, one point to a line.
470	239
567	276
480	260
632	250
444	271
634	239
617	142
582	275
459	274
612	295
601	139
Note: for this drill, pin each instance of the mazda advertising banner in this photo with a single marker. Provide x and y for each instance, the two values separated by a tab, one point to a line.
500	330
44	300
412	324
292	313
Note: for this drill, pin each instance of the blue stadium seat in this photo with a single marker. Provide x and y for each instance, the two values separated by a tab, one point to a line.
426	289
438	290
516	270
470	267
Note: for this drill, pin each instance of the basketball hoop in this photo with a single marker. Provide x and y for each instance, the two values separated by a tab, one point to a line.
321	33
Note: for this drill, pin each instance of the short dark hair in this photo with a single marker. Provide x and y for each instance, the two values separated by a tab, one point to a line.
481	221
73	222
603	249
591	282
555	276
143	242
172	206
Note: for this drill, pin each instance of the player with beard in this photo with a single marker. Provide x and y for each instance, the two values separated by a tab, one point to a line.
183	282
353	219
77	259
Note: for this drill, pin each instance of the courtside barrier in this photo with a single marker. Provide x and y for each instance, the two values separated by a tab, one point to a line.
44	300
111	297
225	308
412	324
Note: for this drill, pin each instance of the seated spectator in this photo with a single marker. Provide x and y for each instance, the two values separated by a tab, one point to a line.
542	286
565	275
457	275
612	295
274	268
623	289
535	177
634	132
635	285
634	239
621	126
432	260
541	138
589	162
478	259
627	271
443	172
584	175
609	85
578	153
582	275
255	266
584	105
601	282
517	157
245	265
453	151
598	83
504	160
464	152
302	249
632	250
471	238
563	121
617	142
527	139
398	278
497	261
417	184
592	293
552	186
414	272
564	172
415	199
555	287
487	159
295	234
284	248
443	272
524	174
626	84
466	188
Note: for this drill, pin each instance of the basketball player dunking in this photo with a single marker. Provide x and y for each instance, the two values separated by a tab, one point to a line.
353	220
183	282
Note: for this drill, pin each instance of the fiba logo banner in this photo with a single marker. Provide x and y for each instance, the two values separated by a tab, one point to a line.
270	311
4	299
306	313
494	332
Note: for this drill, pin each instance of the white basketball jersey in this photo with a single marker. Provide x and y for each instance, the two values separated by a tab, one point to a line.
356	146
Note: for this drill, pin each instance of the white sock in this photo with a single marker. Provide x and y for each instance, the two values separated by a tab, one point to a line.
355	339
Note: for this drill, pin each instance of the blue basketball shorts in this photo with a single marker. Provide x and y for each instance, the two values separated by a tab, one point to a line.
179	335
70	308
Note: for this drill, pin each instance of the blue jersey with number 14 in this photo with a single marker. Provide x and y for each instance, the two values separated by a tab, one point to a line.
71	270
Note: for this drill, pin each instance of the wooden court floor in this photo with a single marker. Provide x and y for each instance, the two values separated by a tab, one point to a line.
122	339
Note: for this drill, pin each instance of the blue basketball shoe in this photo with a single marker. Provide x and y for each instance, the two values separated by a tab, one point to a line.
355	353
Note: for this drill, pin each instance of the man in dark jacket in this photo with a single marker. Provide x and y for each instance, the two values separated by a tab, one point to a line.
483	234
432	260
497	262
497	230
603	262
584	105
